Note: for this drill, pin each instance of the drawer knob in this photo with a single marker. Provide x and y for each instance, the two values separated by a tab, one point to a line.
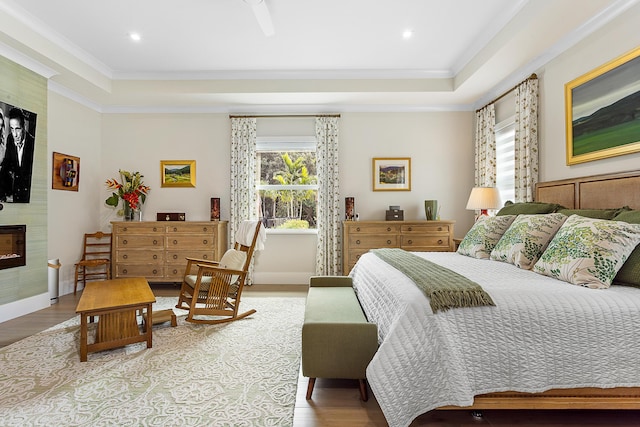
125	256
175	242
175	228
155	271
205	241
155	242
175	256
124	271
439	228
125	229
155	229
440	241
410	229
175	271
124	242
388	228
204	229
357	228
410	242
357	242
388	242
155	257
205	256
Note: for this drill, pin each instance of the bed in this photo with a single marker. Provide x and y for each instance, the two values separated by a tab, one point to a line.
546	344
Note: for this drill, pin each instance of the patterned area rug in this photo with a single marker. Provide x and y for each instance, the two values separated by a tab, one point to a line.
242	373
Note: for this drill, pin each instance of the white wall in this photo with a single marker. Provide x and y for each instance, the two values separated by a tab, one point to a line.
73	130
611	41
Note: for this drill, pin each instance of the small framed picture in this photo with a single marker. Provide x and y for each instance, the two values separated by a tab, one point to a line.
66	172
392	174
215	209
178	173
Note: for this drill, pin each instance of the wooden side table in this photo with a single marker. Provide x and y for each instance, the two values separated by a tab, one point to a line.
115	302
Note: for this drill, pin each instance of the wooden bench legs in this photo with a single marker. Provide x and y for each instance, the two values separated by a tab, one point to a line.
364	395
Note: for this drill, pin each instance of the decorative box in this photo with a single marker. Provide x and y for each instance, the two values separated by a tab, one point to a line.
170	216
395	215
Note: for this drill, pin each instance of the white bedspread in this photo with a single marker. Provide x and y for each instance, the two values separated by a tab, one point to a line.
542	334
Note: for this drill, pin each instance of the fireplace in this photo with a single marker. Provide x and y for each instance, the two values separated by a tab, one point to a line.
13	251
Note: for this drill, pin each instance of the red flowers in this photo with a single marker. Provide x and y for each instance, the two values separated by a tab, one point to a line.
132	190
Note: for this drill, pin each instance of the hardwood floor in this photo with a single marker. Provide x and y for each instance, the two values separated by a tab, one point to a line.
337	402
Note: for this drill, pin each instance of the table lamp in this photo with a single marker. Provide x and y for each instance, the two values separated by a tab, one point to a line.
482	199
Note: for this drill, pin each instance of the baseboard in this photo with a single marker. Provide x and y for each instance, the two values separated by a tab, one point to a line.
24	306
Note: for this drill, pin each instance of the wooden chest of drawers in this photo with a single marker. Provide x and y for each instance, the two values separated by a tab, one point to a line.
156	250
419	236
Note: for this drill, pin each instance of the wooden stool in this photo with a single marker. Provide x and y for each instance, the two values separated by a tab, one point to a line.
160	317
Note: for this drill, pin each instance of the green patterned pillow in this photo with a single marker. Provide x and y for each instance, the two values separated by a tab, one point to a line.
588	251
527	238
594	213
629	274
483	236
528	208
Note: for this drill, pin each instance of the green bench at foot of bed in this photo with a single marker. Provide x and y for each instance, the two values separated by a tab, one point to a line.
337	340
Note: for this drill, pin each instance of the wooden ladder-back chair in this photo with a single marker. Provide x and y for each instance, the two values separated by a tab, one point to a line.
95	263
213	288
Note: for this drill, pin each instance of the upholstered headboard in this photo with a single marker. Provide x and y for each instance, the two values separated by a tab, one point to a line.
593	192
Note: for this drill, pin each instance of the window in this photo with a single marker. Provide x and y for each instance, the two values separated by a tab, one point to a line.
505	158
287	182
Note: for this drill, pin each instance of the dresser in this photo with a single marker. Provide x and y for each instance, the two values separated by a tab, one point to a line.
156	250
418	236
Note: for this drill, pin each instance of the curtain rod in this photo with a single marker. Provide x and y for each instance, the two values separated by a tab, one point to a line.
531	77
280	116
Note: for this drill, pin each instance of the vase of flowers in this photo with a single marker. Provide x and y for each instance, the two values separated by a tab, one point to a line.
131	190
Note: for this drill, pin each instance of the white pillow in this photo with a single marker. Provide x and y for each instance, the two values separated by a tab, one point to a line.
233	259
588	251
483	236
526	239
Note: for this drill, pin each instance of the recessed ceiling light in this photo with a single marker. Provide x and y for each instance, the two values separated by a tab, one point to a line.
407	34
135	37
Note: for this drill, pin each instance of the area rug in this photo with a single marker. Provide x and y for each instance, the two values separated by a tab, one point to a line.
242	373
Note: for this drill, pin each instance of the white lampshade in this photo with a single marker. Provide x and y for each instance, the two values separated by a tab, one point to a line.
483	198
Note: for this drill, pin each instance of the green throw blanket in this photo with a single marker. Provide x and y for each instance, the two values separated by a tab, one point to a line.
445	288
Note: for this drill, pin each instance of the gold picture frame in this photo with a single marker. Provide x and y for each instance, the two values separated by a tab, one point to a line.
391	173
599	108
65	172
178	173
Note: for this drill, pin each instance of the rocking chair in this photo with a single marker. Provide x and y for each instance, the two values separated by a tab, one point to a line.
213	288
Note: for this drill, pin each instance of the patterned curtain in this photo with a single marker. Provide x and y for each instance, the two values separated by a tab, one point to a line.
526	140
244	196
486	147
328	255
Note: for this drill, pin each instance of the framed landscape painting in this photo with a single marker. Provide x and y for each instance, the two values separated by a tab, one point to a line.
602	116
392	174
178	173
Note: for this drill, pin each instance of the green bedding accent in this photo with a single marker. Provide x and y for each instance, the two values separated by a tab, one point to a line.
445	288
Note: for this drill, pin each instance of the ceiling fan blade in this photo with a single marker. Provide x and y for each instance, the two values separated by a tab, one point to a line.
261	12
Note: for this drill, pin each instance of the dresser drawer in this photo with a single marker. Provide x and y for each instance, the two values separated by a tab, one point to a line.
137	270
132	227
373	241
373	229
139	241
188	241
185	227
425	243
426	229
177	256
175	272
140	256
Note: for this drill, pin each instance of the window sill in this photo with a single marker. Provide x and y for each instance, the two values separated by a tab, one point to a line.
291	231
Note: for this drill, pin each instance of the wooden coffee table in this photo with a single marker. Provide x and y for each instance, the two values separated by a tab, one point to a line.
115	302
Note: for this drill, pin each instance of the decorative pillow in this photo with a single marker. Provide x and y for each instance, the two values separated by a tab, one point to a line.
483	236
233	259
594	213
588	252
528	208
527	238
629	274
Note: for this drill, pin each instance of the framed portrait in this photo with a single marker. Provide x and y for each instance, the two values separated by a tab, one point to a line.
65	172
392	174
178	173
601	111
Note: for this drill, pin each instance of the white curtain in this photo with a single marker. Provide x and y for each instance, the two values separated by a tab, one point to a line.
526	140
244	196
328	255
485	147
